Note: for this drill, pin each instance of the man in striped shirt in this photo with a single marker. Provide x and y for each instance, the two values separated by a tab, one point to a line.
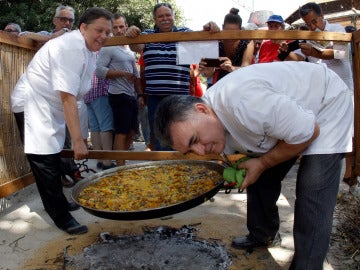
163	76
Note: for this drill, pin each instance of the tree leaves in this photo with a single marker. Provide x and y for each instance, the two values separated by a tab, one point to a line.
37	15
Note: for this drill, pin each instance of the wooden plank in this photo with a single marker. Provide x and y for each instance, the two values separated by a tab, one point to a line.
356	37
150	155
356	75
17	41
229	34
16	184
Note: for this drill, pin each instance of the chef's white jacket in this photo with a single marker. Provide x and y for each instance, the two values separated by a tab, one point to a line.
62	64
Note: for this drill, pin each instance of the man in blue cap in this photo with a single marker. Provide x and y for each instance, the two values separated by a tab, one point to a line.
269	49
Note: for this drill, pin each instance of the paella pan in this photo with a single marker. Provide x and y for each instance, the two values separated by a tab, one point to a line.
149	190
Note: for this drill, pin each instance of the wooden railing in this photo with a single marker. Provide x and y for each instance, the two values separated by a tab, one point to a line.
15	55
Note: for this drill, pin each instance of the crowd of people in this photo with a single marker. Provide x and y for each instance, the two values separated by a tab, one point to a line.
260	101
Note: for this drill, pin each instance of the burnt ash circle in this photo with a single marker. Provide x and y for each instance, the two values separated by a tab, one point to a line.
159	248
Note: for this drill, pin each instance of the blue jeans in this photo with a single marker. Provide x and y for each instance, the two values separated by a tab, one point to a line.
100	115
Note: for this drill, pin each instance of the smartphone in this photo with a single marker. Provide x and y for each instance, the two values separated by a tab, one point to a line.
213	62
293	45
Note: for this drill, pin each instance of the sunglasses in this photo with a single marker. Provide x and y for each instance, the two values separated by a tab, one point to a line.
65	19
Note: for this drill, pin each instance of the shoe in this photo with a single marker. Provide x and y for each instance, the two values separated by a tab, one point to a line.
113	165
73	206
99	165
248	242
73	227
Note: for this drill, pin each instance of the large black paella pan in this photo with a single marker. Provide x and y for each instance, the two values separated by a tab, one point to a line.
196	171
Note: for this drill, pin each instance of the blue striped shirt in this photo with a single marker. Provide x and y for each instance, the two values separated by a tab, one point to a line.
163	76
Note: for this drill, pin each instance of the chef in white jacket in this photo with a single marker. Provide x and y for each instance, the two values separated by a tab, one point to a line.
56	79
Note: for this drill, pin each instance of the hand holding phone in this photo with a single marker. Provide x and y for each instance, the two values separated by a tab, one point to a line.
292	46
212	62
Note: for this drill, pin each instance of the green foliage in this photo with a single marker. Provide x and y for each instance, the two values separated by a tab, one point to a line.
28	14
37	15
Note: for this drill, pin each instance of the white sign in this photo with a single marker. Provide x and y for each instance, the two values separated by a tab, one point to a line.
191	52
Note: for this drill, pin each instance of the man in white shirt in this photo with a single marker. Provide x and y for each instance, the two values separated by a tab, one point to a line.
334	55
270	112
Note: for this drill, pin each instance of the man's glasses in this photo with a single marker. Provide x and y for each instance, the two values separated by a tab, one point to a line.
65	19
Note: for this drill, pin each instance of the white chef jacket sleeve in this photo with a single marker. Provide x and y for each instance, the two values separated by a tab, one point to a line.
66	68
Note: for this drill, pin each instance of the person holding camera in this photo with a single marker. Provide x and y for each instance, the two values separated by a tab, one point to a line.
233	53
270	49
335	55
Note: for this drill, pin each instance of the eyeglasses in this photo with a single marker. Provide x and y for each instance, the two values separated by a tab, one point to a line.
65	19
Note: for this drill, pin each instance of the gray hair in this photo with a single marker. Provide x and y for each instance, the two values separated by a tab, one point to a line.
15	25
61	8
172	109
159	5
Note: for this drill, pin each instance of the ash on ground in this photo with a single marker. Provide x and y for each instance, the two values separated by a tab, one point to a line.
157	248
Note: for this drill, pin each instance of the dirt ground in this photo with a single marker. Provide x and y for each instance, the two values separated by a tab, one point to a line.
29	240
212	223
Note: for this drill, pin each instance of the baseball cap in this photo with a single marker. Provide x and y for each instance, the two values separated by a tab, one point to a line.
275	18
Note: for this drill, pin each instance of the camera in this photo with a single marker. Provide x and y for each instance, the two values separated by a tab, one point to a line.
292	46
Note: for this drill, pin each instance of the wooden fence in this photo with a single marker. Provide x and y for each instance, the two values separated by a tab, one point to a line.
15	54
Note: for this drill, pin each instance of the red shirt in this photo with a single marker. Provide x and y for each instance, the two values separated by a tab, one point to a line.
268	52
